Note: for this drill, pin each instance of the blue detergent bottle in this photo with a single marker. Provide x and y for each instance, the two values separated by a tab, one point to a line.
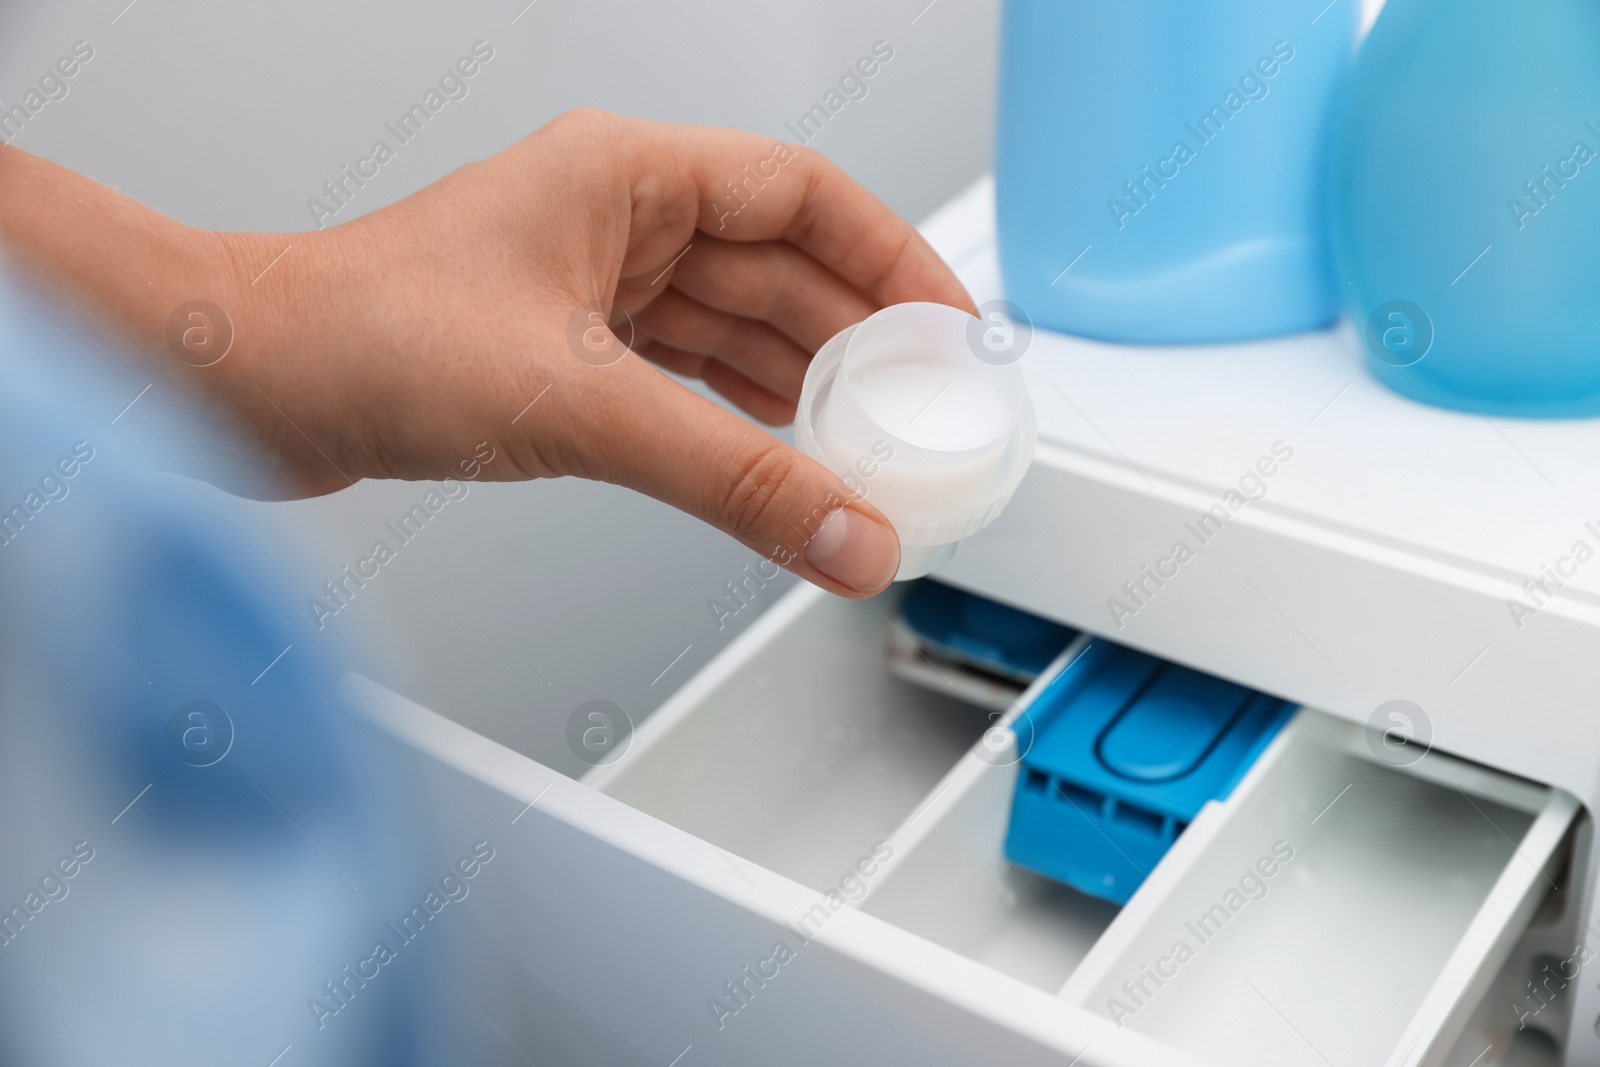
1160	165
1466	207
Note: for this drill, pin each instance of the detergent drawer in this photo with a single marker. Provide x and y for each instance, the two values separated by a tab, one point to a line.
1338	907
800	858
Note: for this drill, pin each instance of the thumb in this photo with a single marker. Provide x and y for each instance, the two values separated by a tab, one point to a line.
666	441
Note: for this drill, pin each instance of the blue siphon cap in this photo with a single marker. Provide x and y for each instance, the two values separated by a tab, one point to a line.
1127	749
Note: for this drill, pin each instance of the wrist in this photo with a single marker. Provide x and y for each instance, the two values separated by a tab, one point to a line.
259	333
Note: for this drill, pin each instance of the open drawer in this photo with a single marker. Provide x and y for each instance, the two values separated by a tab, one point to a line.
795	792
1333	910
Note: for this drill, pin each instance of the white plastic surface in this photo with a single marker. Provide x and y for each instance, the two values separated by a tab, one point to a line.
1378	563
1391	558
766	780
807	750
613	929
1414	882
1400	896
599	936
954	887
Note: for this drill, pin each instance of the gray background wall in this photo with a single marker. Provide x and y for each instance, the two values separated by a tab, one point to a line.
519	602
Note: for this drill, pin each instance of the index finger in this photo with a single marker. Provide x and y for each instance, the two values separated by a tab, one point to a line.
752	188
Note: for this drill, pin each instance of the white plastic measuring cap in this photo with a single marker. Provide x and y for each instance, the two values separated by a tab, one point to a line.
906	411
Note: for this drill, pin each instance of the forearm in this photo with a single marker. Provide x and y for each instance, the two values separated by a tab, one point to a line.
108	254
143	276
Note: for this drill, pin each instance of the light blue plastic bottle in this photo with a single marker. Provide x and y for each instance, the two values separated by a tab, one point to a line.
1160	165
1467	203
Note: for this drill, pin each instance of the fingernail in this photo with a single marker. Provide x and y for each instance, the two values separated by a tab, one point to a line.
855	551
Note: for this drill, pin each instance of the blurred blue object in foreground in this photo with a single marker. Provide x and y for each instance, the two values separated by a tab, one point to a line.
193	853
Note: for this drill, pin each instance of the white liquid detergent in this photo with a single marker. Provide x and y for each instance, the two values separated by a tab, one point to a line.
903	409
927	405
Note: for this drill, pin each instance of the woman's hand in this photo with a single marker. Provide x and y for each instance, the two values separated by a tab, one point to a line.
517	301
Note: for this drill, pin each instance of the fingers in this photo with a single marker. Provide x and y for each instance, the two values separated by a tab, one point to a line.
649	433
754	349
776	283
763	404
753	189
758	402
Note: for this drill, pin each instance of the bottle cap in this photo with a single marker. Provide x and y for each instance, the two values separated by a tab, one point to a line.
920	419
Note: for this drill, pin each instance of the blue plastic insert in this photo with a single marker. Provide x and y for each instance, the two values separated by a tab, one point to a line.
981	632
1126	749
